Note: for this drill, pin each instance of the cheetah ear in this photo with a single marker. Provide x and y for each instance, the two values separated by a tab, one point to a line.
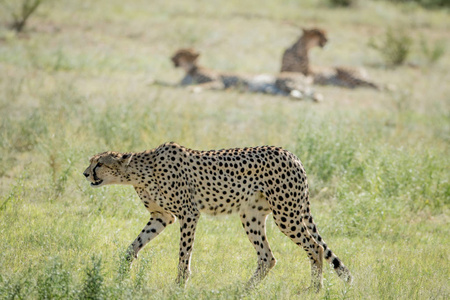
126	159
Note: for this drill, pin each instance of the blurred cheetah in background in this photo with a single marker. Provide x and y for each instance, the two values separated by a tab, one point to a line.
296	59
286	84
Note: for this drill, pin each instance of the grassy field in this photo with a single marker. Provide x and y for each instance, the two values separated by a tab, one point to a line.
76	83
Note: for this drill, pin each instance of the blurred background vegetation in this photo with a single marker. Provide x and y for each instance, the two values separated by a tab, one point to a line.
74	81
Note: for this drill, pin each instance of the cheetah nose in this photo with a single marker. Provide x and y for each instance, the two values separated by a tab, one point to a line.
86	174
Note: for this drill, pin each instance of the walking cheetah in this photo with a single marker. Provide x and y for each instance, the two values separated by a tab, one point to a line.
287	84
175	182
296	59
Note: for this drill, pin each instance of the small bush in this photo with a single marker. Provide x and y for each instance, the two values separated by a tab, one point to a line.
432	53
93	283
427	3
54	283
15	288
343	3
123	267
20	12
394	47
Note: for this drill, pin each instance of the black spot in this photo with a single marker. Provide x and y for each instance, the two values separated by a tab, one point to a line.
336	263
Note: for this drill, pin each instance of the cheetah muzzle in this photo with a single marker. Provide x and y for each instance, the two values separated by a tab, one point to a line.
96	183
175	182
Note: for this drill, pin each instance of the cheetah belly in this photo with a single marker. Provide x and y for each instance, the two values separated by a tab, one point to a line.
220	202
231	202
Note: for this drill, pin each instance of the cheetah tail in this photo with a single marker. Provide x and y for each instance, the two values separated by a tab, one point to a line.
341	270
366	83
339	267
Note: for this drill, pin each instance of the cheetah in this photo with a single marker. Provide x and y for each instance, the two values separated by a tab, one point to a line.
295	85
175	182
296	59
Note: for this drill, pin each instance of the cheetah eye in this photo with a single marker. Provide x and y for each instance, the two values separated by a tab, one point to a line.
99	164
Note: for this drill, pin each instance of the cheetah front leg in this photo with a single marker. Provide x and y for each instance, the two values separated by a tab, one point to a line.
211	85
156	224
188	222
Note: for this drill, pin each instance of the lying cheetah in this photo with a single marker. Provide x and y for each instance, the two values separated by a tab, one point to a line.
175	182
296	59
287	84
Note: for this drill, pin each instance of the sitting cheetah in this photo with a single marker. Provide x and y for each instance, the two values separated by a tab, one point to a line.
287	84
295	59
175	182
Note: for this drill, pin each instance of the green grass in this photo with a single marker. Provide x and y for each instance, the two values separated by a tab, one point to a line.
75	83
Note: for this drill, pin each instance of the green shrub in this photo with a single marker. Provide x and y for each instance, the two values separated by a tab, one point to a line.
394	47
427	3
20	12
432	53
93	283
54	283
343	3
15	288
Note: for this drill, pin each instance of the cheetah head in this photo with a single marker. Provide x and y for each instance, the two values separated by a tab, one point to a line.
315	37
185	56
108	168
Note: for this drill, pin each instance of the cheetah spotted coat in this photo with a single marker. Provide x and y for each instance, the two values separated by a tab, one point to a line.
175	182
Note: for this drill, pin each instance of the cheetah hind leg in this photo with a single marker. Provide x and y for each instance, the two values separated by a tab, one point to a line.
253	218
300	235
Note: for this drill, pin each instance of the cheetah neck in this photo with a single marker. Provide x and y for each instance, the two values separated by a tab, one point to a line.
301	49
192	70
139	168
189	67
